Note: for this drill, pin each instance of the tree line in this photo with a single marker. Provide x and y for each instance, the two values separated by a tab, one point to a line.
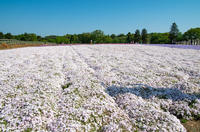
98	36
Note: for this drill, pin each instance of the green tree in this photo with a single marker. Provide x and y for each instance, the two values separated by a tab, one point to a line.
97	36
8	36
32	37
159	38
137	36
144	36
51	38
113	36
1	35
115	40
121	38
28	37
85	37
129	37
107	39
25	37
180	37
39	38
173	34
59	40
192	34
62	40
74	39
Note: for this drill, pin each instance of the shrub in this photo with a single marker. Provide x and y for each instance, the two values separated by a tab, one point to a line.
66	85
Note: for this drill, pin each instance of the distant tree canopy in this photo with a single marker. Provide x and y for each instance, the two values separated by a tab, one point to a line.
137	36
27	37
85	38
129	37
98	36
159	38
8	36
144	36
192	34
173	34
1	35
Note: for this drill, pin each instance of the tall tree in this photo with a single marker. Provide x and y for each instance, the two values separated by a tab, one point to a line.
137	36
39	38
97	36
144	36
173	34
8	36
1	35
129	37
192	34
113	36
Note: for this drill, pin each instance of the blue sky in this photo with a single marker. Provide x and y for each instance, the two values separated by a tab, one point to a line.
59	17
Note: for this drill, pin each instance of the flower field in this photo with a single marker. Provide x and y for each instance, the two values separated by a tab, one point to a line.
196	47
99	88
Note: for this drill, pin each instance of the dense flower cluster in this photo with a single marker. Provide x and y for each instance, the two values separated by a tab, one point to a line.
101	87
181	46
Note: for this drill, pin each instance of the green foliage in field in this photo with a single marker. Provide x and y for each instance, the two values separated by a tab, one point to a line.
66	85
